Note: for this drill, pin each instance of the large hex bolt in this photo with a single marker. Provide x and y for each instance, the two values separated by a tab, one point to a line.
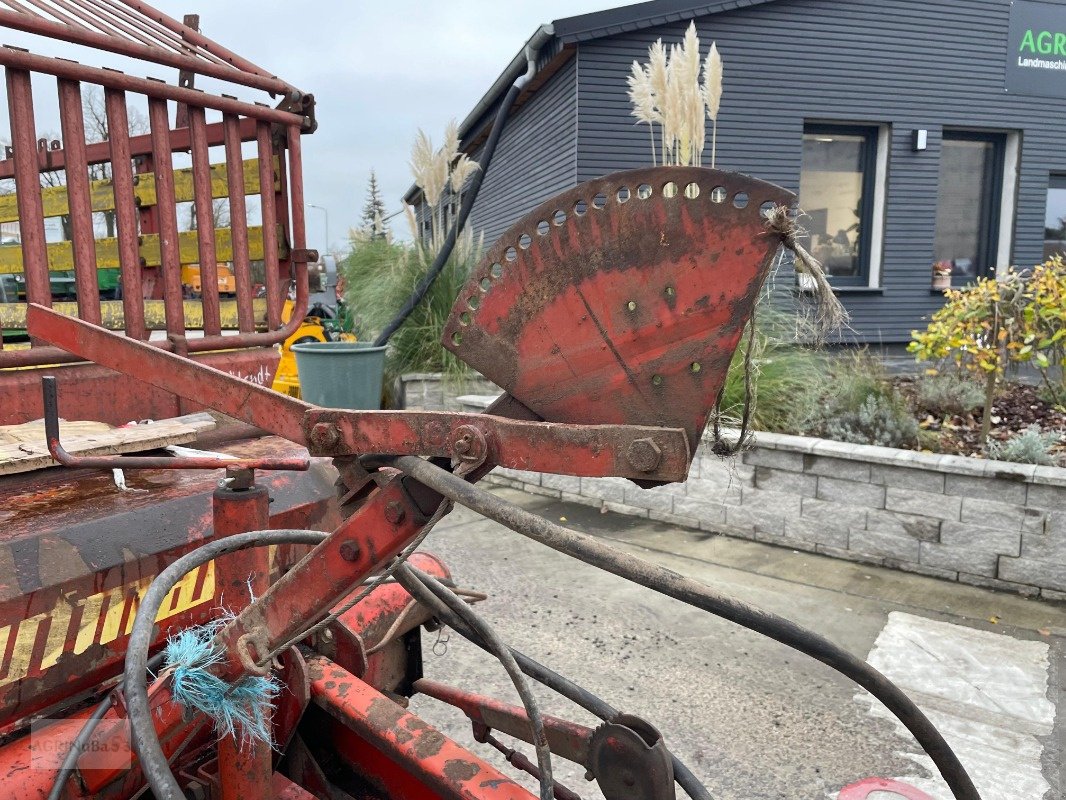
644	455
324	435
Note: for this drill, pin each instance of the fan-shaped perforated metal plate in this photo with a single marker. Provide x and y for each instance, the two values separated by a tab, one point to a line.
623	299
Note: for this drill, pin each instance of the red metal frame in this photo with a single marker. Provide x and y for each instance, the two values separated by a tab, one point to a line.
138	30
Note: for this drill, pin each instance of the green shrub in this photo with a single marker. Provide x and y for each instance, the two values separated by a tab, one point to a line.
881	419
782	369
950	394
1029	447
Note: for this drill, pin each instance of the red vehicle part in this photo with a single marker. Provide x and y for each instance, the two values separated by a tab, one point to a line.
137	30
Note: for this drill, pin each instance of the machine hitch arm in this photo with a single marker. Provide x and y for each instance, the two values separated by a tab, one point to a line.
471	440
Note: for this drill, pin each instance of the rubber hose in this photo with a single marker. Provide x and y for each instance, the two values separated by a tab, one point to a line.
498	648
590	551
548	677
145	740
460	221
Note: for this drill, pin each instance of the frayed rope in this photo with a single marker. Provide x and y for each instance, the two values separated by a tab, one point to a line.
238	709
830	315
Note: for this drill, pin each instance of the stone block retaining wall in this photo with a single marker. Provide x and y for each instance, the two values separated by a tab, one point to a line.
988	523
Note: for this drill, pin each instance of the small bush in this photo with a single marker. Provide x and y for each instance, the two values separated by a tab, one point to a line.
1029	447
882	419
950	394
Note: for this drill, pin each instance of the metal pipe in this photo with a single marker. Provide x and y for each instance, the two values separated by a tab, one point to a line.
50	394
593	552
28	187
205	221
32	23
129	254
22	60
79	202
167	215
269	212
238	223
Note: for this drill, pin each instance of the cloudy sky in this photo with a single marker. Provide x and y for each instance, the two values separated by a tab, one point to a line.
379	71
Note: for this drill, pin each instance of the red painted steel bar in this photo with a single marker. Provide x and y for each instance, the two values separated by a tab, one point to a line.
362	545
442	767
129	254
238	222
205	221
95	17
129	22
21	60
83	238
166	208
565	738
28	187
205	45
268	205
244	772
99	152
57	30
245	401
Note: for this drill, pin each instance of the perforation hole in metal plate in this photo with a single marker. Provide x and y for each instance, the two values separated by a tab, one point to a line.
644	191
543	228
740	200
559	218
524	241
599	201
580	207
623	194
669	190
692	191
718	194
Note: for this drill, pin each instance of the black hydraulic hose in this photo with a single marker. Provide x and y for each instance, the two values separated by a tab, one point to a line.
143	735
460	221
70	761
591	551
498	648
546	676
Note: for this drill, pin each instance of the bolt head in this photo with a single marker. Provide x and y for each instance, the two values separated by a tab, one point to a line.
325	434
394	512
349	551
644	455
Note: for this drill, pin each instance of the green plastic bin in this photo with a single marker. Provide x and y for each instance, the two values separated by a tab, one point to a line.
340	374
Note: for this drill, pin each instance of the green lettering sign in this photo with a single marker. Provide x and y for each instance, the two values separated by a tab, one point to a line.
1027	42
1043	43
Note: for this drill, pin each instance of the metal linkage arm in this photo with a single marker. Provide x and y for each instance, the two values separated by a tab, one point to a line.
471	440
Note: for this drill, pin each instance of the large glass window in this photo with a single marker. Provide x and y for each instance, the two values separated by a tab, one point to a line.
968	203
836	196
1055	217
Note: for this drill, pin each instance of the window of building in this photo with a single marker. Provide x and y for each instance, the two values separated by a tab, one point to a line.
1055	217
968	203
837	196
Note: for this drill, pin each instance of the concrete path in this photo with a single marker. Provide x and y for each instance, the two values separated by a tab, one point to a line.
753	719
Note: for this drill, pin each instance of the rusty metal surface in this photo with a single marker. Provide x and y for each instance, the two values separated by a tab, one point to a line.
100	394
244	768
566	739
593	310
418	758
257	405
586	450
75	552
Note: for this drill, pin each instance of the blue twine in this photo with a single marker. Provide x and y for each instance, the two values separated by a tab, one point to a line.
238	709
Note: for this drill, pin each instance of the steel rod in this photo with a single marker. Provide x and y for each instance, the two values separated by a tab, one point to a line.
268	208
79	202
238	223
166	208
205	221
28	187
129	254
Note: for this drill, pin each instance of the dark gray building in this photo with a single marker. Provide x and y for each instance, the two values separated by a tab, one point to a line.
916	132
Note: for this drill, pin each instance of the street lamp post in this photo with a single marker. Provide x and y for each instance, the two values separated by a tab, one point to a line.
326	215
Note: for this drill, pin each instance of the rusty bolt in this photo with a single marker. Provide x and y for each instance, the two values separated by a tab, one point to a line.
324	434
394	512
349	550
463	445
644	455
